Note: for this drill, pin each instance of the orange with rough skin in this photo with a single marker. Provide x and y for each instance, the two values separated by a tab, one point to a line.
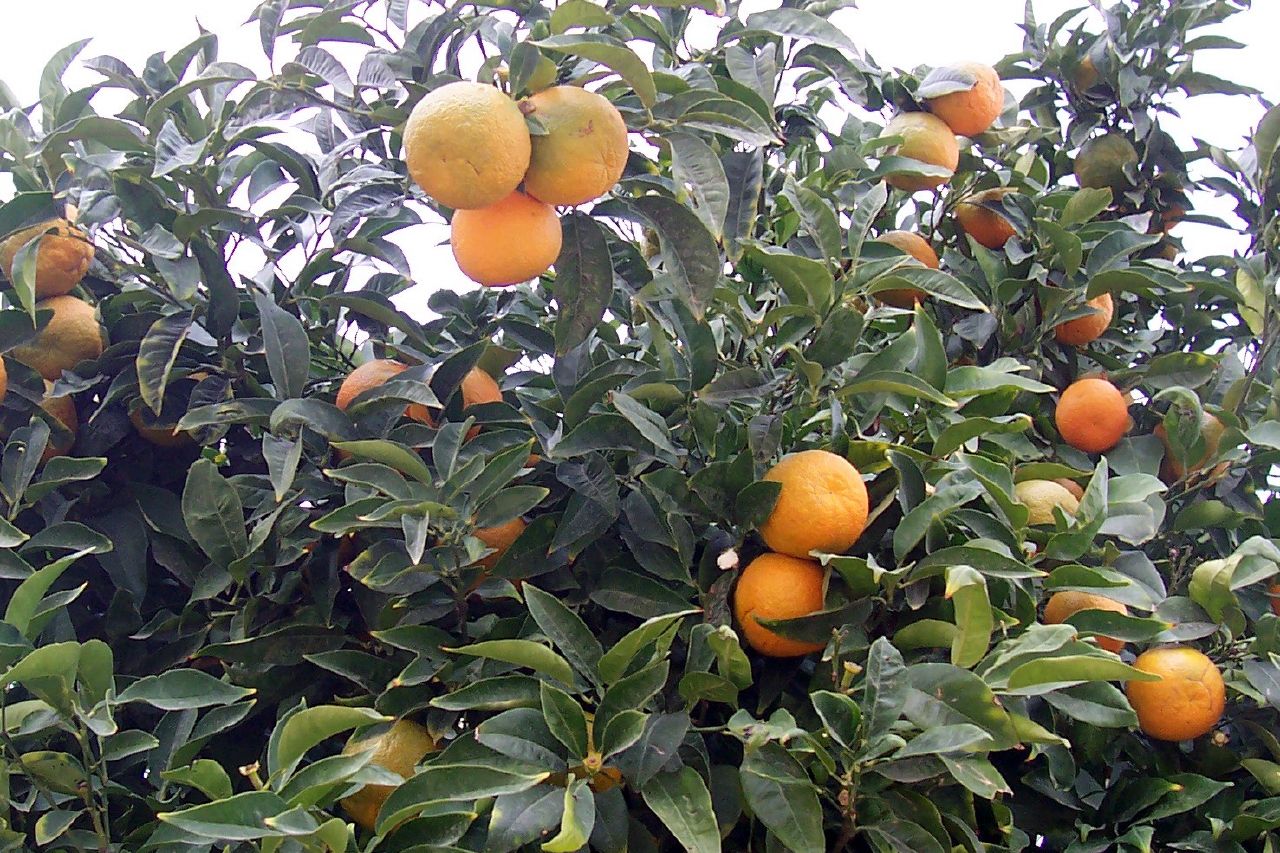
1211	431
1085	330
506	243
971	112
499	538
71	336
917	247
62	260
466	145
371	374
822	505
1092	415
926	138
397	748
1063	605
584	151
989	228
63	410
777	586
1186	703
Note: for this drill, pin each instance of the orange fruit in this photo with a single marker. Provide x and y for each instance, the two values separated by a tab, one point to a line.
1063	605
499	537
777	586
478	388
1274	590
989	228
71	336
822	505
926	138
397	748
1100	162
1187	702
62	260
971	112
1087	75
371	374
584	151
506	243
4	380
1211	430
1041	496
466	145
161	435
917	247
1092	415
63	410
1084	330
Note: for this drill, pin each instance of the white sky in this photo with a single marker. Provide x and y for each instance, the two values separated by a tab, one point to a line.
897	33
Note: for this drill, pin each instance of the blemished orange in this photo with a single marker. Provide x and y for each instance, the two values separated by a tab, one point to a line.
584	151
1086	330
506	243
72	336
1092	415
466	145
397	748
1101	161
777	586
822	505
499	538
926	138
989	228
1063	605
63	410
1186	703
917	247
371	374
971	112
62	260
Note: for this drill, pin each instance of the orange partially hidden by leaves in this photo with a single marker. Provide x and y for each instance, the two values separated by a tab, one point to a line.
499	538
917	247
822	505
478	388
584	151
62	260
397	748
371	374
1188	700
1101	162
161	435
777	586
506	243
1092	415
1274	590
1063	605
925	138
4	380
1211	431
989	228
971	112
1085	330
71	336
1087	75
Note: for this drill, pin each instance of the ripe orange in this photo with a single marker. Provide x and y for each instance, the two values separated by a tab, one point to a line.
1100	162
1063	605
62	260
498	537
1084	330
1041	496
822	505
1211	430
983	224
371	374
466	145
398	748
972	112
1186	703
1092	415
1274	590
917	247
777	586
506	243
584	151
478	388
926	138
72	336
63	410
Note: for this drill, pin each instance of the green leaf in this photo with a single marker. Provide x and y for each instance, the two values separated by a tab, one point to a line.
894	382
1057	672
576	822
205	775
967	590
802	26
614	663
524	653
695	166
961	737
611	53
463	782
493	694
584	280
683	805
566	630
213	514
566	720
689	252
26	599
180	689
804	280
301	731
238	818
1084	205
391	454
287	346
157	354
782	796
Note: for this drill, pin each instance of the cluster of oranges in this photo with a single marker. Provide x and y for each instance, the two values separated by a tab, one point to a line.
469	147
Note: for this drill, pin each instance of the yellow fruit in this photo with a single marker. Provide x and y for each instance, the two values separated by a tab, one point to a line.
584	151
506	243
926	138
917	247
1092	415
1041	496
500	537
1101	161
972	112
1187	702
466	145
1063	605
63	410
1085	330
989	228
398	748
1211	430
72	336
371	374
822	505
62	261
161	435
777	586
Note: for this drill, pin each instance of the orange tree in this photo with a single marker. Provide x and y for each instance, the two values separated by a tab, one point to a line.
490	601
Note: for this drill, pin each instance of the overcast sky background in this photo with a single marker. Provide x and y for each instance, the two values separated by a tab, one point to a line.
896	33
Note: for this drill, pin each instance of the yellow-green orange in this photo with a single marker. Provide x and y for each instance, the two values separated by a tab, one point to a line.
1101	162
397	748
1187	702
62	260
584	151
926	138
1041	496
1211	431
71	336
777	586
822	505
